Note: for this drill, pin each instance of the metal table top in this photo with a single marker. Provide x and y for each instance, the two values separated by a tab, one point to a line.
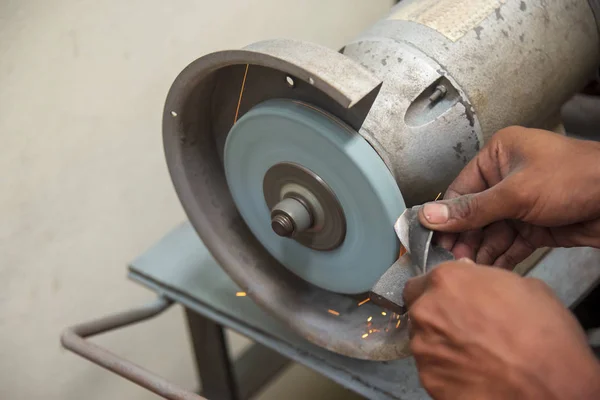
181	268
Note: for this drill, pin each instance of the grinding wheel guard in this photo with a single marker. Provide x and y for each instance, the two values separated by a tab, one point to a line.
199	113
421	257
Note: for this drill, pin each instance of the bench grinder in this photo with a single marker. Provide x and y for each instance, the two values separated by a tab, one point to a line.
293	161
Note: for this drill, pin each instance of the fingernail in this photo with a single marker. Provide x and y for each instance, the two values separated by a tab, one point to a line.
467	260
436	213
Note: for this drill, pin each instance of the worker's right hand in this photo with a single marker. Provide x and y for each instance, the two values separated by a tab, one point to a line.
527	188
484	333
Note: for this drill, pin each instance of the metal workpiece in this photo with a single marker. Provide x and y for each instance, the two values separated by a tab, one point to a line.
314	212
418	241
388	291
421	257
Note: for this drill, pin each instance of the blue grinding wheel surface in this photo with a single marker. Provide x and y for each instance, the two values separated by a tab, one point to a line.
287	131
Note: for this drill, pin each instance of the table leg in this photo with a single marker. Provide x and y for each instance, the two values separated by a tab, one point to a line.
214	367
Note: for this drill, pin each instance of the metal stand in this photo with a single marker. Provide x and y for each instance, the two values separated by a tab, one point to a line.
74	339
221	377
179	268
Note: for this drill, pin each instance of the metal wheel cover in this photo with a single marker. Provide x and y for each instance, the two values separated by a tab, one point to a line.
288	131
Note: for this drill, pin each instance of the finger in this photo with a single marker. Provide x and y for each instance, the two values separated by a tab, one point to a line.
443	239
467	244
479	174
414	289
472	211
575	235
517	252
497	239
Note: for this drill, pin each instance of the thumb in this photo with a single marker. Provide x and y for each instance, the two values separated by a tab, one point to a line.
470	211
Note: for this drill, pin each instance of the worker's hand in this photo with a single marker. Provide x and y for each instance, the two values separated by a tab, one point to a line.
527	188
486	333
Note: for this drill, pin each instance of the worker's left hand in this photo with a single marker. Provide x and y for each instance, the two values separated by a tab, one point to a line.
479	332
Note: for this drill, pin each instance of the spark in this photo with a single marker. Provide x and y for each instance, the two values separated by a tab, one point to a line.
364	301
237	110
173	113
383	313
333	312
365	335
369	319
398	324
240	294
438	196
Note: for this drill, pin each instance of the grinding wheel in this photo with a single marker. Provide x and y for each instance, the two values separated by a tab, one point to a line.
357	203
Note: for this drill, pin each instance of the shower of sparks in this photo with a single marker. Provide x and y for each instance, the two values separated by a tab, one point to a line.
240	294
333	312
364	301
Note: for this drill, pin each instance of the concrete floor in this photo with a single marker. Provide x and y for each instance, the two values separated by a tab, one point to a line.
84	187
